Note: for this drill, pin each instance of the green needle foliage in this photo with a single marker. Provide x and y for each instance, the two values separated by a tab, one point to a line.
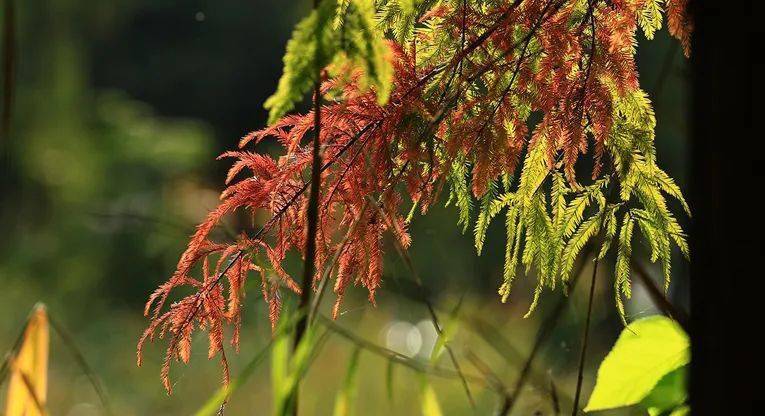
549	222
343	30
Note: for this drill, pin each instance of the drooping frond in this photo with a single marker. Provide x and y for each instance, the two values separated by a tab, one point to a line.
330	29
622	286
313	45
359	41
649	17
460	194
488	208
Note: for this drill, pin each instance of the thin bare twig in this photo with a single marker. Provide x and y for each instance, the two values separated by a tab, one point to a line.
586	331
312	214
398	358
487	372
659	298
5	367
429	306
585	339
545	331
554	400
79	358
29	385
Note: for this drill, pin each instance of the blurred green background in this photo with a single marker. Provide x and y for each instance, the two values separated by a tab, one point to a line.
120	110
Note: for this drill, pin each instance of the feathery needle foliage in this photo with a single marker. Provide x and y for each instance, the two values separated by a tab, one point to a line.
531	108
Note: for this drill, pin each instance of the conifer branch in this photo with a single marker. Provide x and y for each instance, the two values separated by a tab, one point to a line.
208	287
398	125
586	330
585	340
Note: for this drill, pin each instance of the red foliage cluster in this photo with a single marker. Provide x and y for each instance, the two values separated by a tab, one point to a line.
431	121
680	23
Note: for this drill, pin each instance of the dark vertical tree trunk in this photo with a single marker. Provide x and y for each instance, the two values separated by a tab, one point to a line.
727	265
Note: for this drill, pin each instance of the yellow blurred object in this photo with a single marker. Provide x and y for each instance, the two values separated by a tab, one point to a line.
27	391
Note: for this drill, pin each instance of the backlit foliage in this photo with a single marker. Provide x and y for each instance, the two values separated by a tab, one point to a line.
529	109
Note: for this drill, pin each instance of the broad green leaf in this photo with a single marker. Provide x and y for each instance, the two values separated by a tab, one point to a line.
684	410
347	395
669	394
646	351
